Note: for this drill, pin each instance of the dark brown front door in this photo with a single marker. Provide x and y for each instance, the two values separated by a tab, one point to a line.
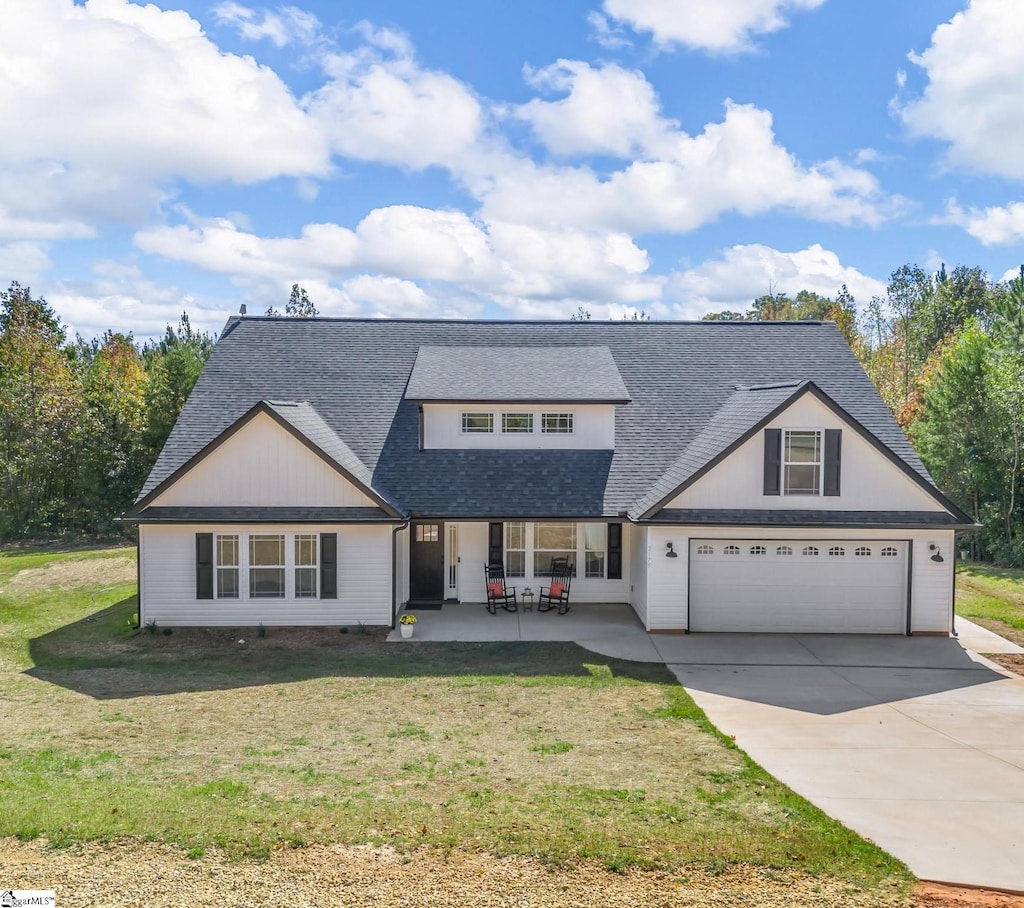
426	562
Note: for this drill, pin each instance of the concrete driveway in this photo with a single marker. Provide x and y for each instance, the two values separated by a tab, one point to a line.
914	742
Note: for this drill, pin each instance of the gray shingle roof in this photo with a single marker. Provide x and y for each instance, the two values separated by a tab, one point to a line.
740	412
354	374
811	518
544	373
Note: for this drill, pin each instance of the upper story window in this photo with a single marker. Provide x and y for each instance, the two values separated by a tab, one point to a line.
801	462
516	423
556	423
477	423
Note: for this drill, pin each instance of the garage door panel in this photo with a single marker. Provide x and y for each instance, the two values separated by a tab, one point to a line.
760	590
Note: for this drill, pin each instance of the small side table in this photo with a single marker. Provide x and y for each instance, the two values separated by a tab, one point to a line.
527	596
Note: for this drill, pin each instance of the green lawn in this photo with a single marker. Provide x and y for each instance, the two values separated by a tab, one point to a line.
993	597
314	736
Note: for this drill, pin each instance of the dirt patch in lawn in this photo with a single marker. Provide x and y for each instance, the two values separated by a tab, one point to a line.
936	895
67	575
1013	662
156	876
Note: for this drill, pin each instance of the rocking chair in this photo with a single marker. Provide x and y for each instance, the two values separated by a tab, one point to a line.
557	594
497	593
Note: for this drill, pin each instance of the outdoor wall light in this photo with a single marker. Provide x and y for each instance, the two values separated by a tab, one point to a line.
937	557
671	553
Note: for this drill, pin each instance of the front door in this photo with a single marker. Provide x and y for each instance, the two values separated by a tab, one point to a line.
426	562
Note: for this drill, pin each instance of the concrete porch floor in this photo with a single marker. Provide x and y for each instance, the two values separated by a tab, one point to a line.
611	629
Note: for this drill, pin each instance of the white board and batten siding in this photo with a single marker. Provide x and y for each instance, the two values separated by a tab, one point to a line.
869	482
638	561
669	583
168	575
264	465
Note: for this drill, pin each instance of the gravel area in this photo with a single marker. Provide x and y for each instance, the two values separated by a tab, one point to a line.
142	875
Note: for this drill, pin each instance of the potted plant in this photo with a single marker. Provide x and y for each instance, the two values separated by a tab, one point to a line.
406	622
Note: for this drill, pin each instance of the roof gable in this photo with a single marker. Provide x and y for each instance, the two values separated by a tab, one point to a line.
874	477
278	453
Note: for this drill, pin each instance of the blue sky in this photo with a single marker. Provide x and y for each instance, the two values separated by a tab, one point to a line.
486	160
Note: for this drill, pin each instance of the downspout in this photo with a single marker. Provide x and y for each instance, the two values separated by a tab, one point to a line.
394	572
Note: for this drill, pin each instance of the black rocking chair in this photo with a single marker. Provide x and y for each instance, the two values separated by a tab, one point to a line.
556	595
497	593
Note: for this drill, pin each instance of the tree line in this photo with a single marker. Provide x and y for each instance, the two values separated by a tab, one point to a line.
82	421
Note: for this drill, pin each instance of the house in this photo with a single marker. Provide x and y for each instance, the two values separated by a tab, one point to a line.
716	476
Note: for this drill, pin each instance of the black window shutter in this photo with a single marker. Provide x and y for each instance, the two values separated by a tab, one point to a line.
833	460
204	565
772	461
614	551
328	565
495	544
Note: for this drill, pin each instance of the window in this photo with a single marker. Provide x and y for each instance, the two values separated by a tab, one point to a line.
515	549
810	550
705	550
305	565
889	552
784	550
758	550
595	541
861	551
801	463
553	540
516	423
731	550
227	567
266	567
474	423
427	532
837	551
556	423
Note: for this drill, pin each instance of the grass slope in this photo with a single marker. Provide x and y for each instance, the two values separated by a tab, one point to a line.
311	736
993	597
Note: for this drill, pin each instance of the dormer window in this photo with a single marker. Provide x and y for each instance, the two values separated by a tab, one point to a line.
516	423
556	423
477	423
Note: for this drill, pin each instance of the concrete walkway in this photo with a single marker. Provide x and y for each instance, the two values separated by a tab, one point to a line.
917	743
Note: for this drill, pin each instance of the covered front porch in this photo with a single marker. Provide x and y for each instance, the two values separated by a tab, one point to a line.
611	628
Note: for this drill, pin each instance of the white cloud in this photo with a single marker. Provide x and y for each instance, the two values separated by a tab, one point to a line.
993	226
496	261
735	165
285	25
722	26
975	68
604	33
29	228
743	273
608	110
118	298
115	101
22	262
381	105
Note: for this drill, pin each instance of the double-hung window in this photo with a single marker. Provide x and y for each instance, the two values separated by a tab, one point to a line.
595	543
306	565
551	541
266	566
227	566
801	462
515	549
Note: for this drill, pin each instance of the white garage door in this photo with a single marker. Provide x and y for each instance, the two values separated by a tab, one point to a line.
798	586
